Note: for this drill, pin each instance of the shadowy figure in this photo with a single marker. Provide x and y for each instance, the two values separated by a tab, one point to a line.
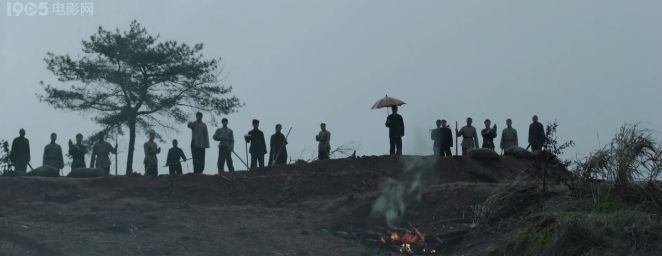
53	154
173	160
151	161
258	146
488	135
225	137
277	147
508	136
101	151
20	152
77	152
434	136
324	145
469	136
445	139
536	134
199	143
395	132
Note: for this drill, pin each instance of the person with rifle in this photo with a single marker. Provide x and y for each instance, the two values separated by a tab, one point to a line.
489	133
508	136
53	154
396	130
101	151
469	136
173	160
445	140
277	145
151	161
20	152
199	143
536	135
324	145
258	146
77	152
225	137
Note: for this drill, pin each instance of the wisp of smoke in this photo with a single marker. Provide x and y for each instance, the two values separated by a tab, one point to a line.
398	194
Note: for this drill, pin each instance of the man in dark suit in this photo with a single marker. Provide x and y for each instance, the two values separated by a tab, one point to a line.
445	139
396	130
20	152
258	147
278	152
536	135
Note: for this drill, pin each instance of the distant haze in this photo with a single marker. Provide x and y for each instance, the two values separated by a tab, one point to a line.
592	65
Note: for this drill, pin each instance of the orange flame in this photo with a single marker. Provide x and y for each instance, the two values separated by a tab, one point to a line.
395	236
406	238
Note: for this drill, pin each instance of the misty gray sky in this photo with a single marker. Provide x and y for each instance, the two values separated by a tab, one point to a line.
591	65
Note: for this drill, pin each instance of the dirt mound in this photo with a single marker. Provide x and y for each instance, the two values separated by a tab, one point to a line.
274	186
283	210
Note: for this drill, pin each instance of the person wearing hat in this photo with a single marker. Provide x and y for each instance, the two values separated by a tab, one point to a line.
489	133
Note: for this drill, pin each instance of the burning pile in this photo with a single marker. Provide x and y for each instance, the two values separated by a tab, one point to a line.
407	242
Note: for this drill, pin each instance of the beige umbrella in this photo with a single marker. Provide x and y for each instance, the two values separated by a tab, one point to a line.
387	102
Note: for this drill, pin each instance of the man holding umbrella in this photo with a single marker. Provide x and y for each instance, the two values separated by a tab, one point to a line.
394	122
396	130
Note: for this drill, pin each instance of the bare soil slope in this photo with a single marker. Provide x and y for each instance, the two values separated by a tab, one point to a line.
301	209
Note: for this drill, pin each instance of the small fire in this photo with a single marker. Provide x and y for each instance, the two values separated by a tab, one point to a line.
404	237
407	242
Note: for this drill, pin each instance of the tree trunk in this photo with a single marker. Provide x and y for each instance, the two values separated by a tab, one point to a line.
132	142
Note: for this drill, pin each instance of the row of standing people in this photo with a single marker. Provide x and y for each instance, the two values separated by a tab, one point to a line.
100	158
19	154
101	150
443	137
255	137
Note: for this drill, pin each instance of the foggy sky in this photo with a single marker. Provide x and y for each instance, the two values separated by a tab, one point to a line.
590	65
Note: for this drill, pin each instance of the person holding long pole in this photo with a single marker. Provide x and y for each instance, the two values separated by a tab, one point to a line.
469	136
117	163
175	158
278	151
456	145
225	137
